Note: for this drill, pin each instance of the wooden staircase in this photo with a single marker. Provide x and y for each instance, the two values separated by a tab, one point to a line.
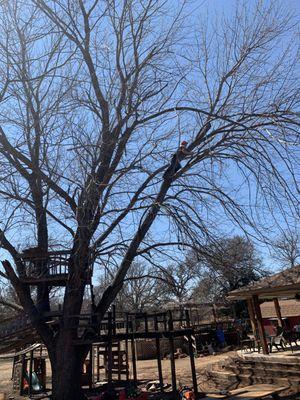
238	371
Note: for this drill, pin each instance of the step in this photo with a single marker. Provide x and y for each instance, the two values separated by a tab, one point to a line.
228	377
263	370
279	357
278	362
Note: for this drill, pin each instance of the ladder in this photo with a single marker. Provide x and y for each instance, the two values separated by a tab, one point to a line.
119	362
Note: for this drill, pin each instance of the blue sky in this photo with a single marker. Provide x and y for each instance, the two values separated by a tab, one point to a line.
227	6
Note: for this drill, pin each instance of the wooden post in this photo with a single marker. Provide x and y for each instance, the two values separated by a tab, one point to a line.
114	319
191	354
24	363
214	314
109	351
30	373
126	345
133	358
165	321
91	377
172	351
252	315
158	355
133	355
278	311
98	363
260	325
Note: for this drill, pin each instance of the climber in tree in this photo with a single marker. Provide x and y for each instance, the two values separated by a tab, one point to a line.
180	154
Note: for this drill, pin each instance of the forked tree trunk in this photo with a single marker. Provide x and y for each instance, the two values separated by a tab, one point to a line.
67	364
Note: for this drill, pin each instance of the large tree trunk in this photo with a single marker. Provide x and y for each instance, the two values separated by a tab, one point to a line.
67	364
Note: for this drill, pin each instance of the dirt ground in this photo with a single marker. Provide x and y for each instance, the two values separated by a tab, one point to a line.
147	370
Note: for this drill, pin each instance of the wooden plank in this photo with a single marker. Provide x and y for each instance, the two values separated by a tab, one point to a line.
248	392
257	391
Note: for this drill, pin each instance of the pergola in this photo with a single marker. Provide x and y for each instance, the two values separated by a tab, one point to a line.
285	284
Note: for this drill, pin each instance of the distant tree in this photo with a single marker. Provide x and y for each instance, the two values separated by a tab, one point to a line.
286	248
142	289
178	279
9	303
225	265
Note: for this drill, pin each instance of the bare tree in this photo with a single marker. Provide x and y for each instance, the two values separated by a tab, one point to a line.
227	264
142	289
179	279
286	248
95	97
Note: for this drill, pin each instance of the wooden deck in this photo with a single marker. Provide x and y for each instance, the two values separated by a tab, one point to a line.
291	354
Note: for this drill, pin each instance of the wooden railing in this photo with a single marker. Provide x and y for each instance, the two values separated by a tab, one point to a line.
54	264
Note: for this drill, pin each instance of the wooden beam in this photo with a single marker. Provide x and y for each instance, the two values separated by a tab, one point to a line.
252	315
126	346
109	351
214	313
158	356
278	311
133	359
30	373
98	363
172	351
260	325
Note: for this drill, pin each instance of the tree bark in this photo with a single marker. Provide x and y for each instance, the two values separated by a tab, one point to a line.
67	366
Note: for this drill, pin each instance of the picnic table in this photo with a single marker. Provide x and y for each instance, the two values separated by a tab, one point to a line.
259	391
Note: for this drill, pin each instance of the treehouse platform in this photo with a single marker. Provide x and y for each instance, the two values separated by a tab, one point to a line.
51	268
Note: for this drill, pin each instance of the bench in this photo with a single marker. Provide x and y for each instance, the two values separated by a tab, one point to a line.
259	391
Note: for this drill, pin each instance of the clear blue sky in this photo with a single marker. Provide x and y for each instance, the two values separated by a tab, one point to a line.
227	6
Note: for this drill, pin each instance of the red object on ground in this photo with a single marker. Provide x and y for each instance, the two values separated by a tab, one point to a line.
122	395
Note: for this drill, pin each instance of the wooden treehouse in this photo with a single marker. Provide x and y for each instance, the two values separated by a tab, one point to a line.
52	267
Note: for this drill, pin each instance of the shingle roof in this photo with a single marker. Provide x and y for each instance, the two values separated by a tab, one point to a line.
288	308
283	283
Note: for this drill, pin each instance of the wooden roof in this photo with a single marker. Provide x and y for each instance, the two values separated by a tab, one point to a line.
283	284
288	308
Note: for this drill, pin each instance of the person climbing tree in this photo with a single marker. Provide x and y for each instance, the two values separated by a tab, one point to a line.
180	154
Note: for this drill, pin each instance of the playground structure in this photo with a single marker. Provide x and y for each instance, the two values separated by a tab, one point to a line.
112	349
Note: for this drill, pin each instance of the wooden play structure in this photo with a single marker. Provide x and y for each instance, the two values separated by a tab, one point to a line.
112	355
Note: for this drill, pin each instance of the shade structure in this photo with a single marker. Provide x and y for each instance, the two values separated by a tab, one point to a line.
284	284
